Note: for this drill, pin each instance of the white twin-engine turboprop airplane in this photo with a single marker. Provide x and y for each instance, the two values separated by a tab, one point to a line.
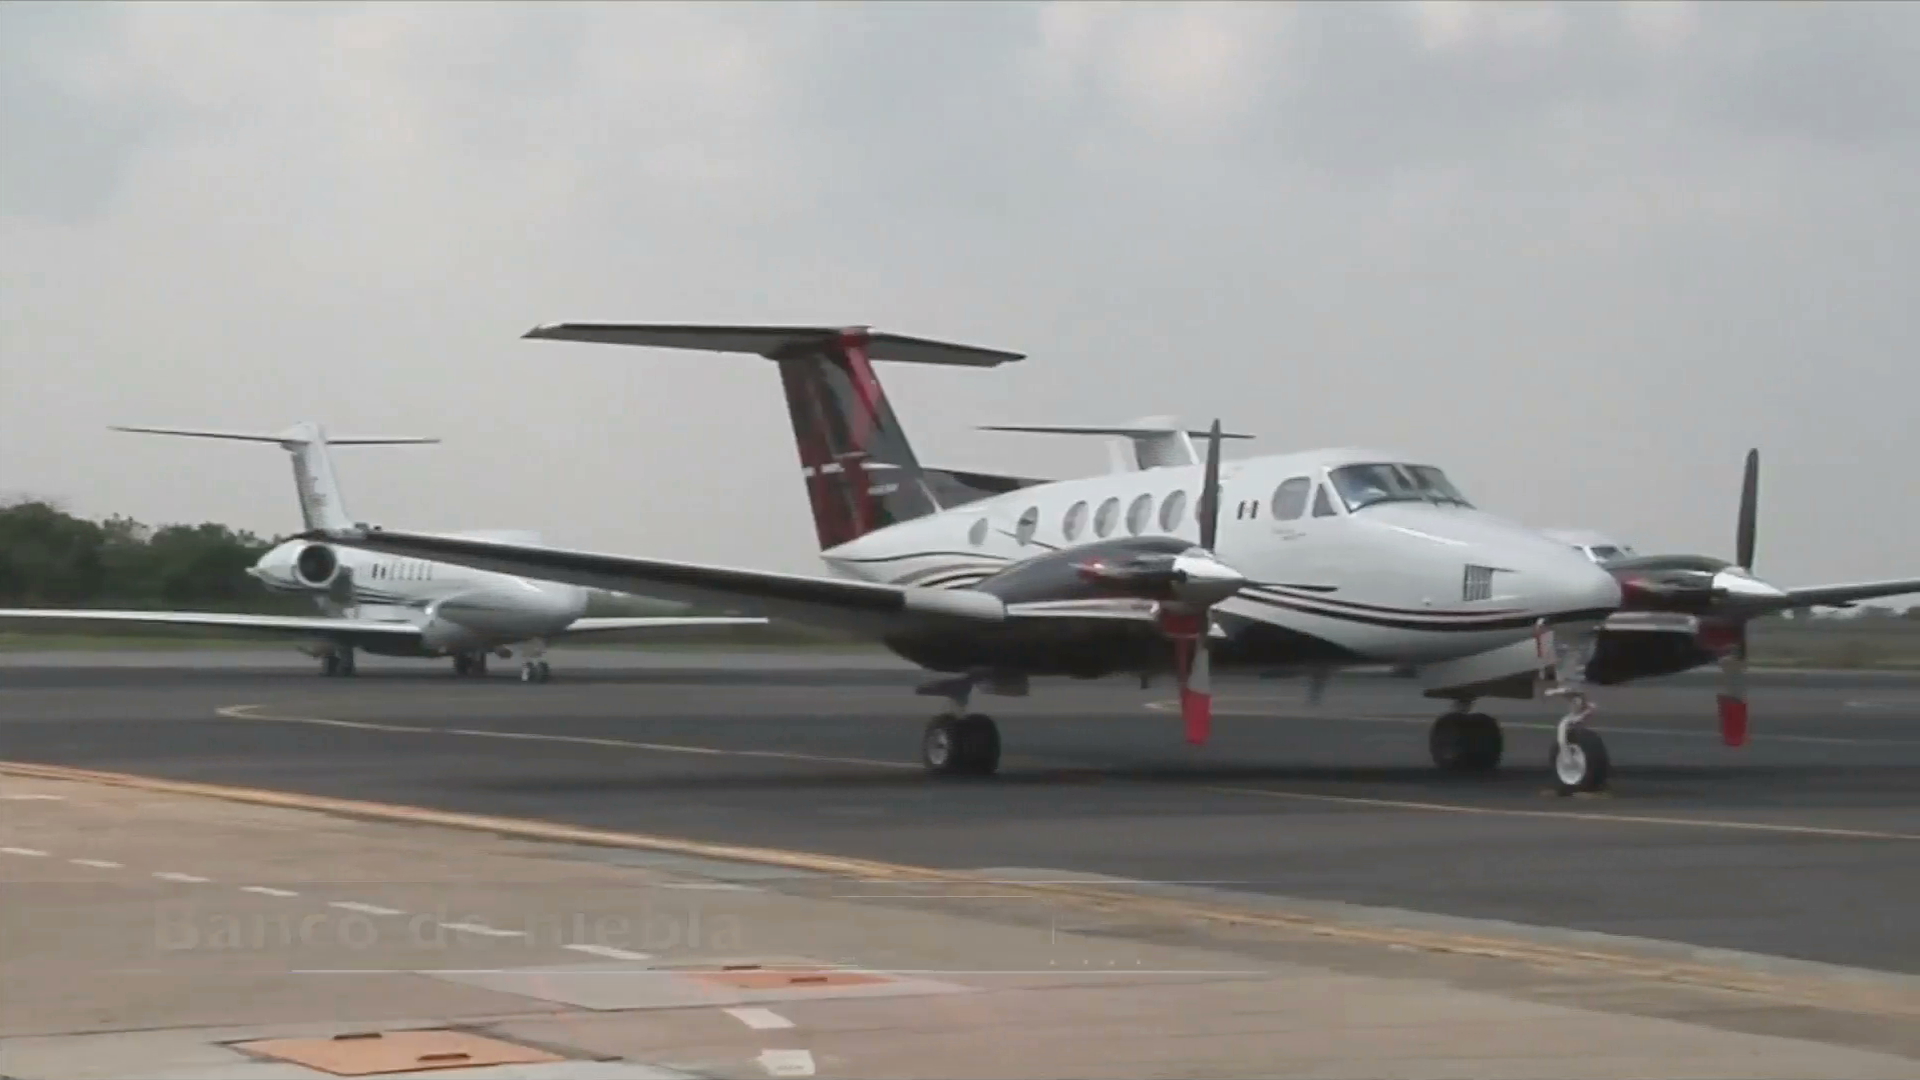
382	604
1302	562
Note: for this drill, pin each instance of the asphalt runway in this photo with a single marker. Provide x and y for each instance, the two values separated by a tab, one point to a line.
1805	843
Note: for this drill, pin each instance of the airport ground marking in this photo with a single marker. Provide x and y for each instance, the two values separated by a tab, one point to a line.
364	908
267	890
607	951
249	712
175	875
1889	995
759	1019
97	864
24	852
786	1062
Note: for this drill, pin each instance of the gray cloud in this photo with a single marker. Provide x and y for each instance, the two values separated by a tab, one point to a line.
1582	254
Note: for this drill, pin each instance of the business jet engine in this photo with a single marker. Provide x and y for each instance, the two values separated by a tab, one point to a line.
317	566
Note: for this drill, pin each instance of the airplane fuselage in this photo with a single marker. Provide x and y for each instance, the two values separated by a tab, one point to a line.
458	609
1343	581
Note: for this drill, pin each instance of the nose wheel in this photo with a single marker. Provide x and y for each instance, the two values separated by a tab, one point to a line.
966	745
1578	759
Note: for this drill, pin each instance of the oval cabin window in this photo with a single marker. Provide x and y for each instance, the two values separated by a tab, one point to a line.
1140	514
1029	521
1172	511
978	534
1075	521
1107	516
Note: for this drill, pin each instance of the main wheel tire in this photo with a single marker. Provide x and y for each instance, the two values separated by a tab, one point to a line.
960	746
462	664
347	667
1466	743
329	665
1582	765
981	738
940	746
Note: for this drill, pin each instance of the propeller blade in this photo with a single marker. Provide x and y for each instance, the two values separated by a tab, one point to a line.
1196	690
1209	508
1749	511
1733	700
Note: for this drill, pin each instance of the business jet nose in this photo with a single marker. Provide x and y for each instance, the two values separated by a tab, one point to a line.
1583	588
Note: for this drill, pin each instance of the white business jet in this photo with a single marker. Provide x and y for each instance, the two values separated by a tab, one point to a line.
1291	562
382	604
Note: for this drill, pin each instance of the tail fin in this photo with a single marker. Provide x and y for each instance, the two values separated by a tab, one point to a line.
321	506
860	470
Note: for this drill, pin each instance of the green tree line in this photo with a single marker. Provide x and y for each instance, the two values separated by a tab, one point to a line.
50	558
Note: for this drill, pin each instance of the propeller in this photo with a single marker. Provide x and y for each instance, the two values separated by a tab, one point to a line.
1192	663
1732	698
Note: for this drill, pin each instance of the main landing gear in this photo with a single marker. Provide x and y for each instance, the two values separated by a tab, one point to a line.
535	669
338	663
960	743
1463	741
470	665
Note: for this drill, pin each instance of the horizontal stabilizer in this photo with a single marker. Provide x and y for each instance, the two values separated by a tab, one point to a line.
298	434
1155	441
1118	430
775	342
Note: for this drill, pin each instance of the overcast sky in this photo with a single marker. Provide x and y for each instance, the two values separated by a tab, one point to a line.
1580	255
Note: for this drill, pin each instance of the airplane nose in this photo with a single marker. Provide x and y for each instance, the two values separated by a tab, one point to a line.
1588	588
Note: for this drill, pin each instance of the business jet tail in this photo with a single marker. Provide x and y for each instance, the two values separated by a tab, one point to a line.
321	506
860	471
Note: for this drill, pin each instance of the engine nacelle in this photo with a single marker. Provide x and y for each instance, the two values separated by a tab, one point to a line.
316	566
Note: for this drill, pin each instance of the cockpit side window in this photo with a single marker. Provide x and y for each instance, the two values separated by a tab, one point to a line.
1322	506
1290	499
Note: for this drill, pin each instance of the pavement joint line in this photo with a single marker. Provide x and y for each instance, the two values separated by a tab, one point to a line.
247	712
1169	705
1808	990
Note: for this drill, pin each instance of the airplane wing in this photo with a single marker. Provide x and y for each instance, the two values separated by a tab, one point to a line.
612	625
300	626
1845	595
858	606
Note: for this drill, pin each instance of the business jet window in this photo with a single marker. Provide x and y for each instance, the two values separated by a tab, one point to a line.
1290	498
977	535
1322	506
1075	520
1171	511
1434	484
1029	521
1107	516
1140	514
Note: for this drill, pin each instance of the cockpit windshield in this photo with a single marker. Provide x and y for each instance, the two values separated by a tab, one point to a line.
1365	485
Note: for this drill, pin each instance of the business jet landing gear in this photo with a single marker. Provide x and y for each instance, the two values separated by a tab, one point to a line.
338	663
1579	756
535	669
959	743
470	664
1466	742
